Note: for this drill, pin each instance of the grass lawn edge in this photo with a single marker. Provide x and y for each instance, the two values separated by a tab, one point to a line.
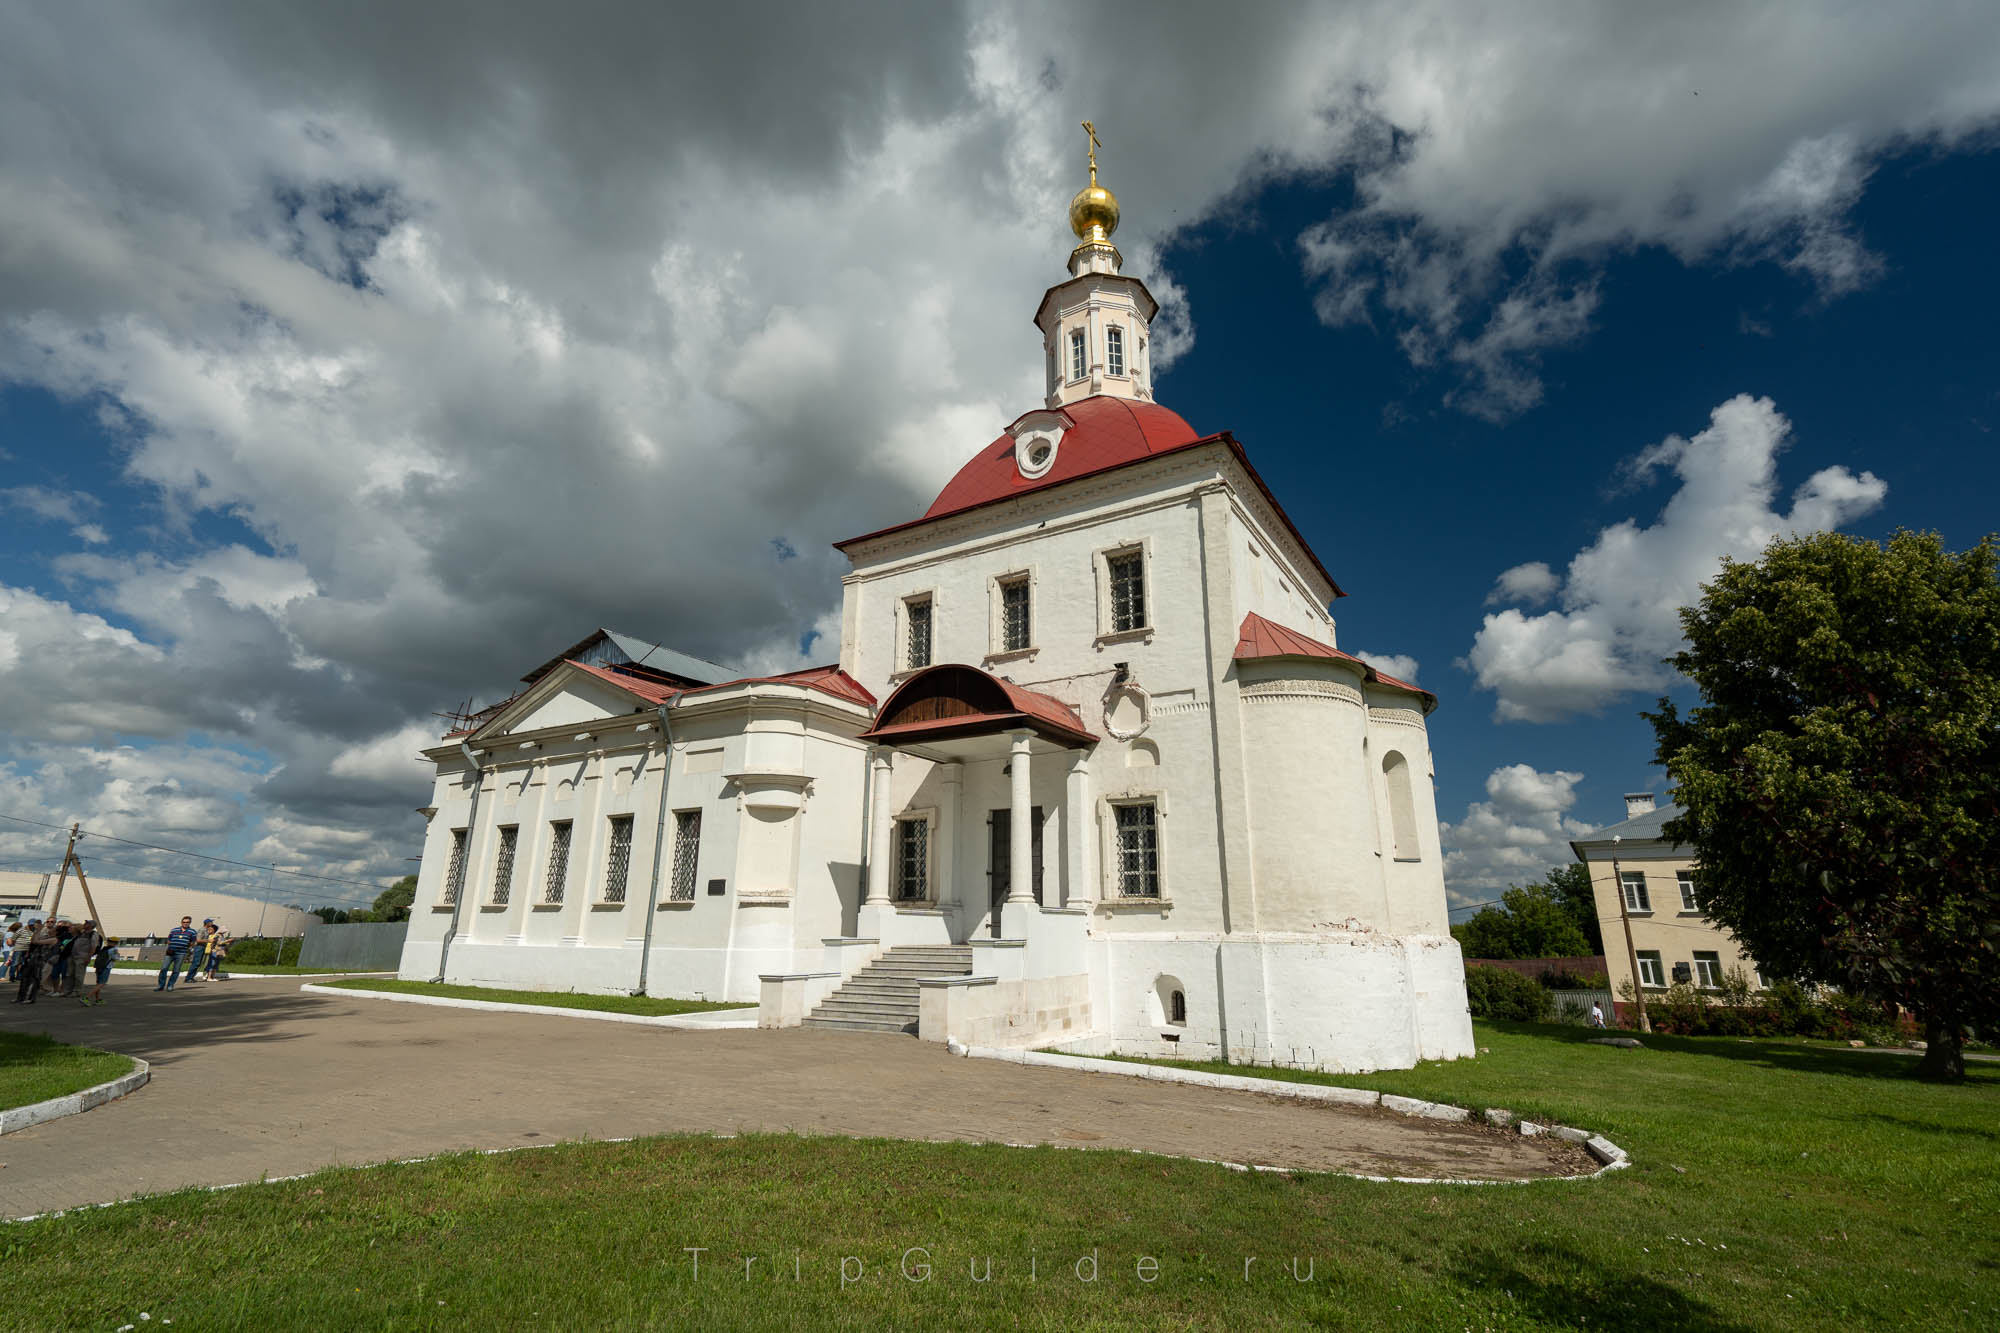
92	1083
1608	1155
644	1010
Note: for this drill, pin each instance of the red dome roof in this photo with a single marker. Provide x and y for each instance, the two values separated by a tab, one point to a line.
1107	432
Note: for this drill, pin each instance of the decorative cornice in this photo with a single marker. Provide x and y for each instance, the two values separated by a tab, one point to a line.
1318	691
1396	717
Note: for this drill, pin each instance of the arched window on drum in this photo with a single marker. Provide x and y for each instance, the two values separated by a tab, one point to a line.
1402	805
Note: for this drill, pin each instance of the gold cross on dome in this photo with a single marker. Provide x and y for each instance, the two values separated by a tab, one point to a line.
1095	144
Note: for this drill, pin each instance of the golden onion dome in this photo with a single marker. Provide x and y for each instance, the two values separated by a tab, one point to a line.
1093	213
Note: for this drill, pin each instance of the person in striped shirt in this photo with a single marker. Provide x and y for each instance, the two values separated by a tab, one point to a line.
179	941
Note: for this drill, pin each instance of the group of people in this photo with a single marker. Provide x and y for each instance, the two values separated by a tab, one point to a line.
54	957
191	952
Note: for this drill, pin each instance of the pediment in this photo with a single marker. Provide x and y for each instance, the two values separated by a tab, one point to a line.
564	698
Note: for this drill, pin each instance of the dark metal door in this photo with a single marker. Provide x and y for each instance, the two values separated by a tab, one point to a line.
1000	859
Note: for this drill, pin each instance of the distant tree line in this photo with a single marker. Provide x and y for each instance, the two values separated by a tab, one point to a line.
392	904
1553	917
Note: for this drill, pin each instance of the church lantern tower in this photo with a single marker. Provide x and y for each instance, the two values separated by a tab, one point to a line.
1096	327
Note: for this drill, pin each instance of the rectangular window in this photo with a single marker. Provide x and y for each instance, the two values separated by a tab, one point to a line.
1689	903
1114	351
1128	590
913	859
1764	979
1650	971
1078	365
454	875
558	876
917	641
1015	626
1138	850
1708	970
1636	897
687	849
503	866
619	860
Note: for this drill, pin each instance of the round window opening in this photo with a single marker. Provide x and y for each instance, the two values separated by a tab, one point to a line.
1038	456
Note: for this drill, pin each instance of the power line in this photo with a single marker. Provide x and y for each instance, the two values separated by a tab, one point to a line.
202	856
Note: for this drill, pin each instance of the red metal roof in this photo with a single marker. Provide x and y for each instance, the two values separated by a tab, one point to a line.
1259	638
826	679
1105	432
1018	707
652	691
1108	433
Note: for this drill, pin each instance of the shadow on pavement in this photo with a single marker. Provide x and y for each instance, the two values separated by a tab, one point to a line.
161	1027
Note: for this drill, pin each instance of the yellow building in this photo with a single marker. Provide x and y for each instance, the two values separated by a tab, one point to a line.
1673	940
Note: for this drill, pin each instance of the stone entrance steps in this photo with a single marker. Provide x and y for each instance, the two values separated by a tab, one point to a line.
882	997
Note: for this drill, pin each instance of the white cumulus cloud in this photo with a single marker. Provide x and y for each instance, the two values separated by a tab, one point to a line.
1514	836
1620	598
1400	665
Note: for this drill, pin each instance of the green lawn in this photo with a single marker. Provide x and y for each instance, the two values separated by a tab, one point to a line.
34	1068
612	1004
1774	1187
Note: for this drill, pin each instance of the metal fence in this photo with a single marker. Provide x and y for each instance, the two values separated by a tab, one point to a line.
364	946
1566	1006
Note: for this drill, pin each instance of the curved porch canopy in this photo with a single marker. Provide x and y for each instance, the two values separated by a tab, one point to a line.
950	702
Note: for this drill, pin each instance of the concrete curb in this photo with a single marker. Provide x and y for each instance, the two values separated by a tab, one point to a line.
547	1010
1610	1155
76	1103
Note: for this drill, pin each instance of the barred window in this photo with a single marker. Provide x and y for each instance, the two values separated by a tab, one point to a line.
917	651
1708	970
1128	590
503	866
1138	850
619	861
1690	901
1651	973
913	859
558	876
1015	626
1078	364
454	875
1636	897
1114	351
687	850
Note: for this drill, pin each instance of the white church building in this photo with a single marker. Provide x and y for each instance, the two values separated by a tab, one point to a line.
1090	772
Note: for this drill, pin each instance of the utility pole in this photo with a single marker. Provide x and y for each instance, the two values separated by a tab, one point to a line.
63	878
1631	954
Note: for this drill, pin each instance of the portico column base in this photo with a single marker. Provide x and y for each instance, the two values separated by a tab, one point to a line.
876	919
1016	918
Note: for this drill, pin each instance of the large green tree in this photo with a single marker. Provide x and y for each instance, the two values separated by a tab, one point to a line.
1840	779
393	903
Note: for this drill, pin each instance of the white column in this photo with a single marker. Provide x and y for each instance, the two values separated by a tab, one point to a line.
1021	847
1079	837
951	776
880	821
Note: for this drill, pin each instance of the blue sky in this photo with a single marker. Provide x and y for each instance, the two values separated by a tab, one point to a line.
333	393
1898	378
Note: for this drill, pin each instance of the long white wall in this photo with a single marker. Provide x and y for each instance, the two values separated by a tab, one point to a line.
133	909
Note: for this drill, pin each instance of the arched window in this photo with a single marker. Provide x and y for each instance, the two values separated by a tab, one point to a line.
1402	805
1177	1009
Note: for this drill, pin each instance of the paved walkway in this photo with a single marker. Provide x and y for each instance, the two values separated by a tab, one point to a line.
258	1079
